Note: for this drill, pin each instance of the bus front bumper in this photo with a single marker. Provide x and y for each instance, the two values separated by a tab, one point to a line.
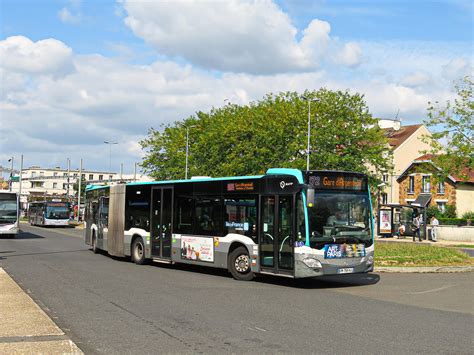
9	229
311	263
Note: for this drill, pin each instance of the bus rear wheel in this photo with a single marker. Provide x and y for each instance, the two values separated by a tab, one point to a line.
138	251
239	264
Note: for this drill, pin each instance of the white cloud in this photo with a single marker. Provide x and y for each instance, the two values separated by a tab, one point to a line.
46	57
50	117
67	17
254	37
350	55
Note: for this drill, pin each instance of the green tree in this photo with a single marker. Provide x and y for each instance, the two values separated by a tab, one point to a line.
243	140
452	141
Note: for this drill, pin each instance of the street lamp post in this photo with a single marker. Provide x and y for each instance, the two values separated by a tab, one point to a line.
110	155
187	151
309	127
11	174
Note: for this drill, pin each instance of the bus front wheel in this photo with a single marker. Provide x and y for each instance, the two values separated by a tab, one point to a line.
138	251
239	264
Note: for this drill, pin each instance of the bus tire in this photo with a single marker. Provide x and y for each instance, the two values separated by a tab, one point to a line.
138	251
239	264
95	250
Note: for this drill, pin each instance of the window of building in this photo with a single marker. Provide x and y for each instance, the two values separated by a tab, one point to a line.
110	177
75	175
411	185
55	173
441	188
55	185
64	186
41	173
208	215
91	176
441	206
426	186
240	216
384	198
101	177
65	174
33	174
385	177
83	176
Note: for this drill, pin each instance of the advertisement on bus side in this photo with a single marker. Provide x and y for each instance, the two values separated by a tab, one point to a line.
197	249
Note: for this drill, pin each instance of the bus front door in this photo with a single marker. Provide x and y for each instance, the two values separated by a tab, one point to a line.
276	234
161	222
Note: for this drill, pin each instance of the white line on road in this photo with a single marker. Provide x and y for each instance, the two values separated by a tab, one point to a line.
430	291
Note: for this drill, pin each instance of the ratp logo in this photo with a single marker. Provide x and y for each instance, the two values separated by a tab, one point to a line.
282	184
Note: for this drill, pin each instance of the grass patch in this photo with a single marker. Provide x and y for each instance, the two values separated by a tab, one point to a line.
406	254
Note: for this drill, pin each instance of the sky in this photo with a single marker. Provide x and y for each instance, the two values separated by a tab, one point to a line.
77	73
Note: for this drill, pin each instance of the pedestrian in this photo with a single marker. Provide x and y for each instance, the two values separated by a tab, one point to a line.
434	228
416	228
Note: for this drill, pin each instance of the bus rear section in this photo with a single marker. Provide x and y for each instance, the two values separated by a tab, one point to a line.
9	214
49	213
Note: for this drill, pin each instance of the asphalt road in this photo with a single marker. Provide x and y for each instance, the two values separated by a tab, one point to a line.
109	305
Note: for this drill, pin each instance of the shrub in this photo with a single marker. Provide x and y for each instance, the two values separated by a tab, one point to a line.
449	212
468	215
453	221
433	211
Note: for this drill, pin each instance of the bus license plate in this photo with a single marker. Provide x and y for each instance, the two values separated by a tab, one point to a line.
345	270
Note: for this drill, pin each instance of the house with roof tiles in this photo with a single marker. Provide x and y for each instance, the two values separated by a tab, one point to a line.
407	145
417	183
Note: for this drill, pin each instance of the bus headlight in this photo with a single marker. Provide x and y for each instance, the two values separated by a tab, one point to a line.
370	260
312	263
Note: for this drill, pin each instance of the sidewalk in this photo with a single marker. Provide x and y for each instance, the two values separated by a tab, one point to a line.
25	327
439	242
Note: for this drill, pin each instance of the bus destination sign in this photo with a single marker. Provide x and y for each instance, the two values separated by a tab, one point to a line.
240	186
337	182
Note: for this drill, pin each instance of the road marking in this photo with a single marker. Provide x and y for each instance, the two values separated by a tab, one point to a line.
430	291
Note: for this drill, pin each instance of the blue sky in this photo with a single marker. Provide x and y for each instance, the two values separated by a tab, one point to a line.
113	69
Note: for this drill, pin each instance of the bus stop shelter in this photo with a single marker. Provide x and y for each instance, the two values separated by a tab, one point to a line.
397	220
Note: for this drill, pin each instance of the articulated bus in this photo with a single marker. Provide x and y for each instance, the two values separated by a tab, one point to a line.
287	222
49	213
9	214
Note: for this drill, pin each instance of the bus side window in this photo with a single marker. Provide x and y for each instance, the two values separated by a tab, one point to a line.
208	216
241	216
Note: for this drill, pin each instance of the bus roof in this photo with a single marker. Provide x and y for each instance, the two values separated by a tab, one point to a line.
274	171
298	174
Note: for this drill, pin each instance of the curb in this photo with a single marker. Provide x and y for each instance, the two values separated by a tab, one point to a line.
424	269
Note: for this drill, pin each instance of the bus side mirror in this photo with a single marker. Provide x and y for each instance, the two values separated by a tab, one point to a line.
310	197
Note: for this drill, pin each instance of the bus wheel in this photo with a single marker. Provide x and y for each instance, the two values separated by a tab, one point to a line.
138	251
239	264
95	250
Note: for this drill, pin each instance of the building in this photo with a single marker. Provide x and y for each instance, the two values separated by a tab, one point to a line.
40	182
406	144
417	185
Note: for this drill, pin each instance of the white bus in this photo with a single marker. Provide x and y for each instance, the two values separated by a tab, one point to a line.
9	214
287	222
49	213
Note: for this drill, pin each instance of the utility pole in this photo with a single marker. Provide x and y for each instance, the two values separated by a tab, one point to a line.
309	128
19	189
110	157
11	175
68	172
121	172
79	192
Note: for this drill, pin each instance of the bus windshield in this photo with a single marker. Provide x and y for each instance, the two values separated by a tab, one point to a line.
341	217
57	212
8	210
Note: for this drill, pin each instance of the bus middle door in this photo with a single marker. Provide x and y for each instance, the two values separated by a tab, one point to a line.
161	222
276	234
